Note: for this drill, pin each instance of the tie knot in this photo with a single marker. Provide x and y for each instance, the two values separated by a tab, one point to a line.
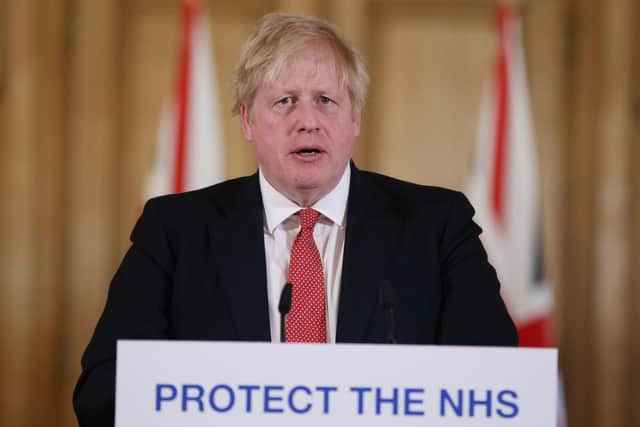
308	218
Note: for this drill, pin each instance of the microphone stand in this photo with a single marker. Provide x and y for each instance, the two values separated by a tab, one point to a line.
388	307
284	306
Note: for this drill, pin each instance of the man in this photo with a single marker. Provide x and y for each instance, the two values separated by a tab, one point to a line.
211	264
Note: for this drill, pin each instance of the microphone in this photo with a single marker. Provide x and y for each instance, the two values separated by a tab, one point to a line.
388	307
283	307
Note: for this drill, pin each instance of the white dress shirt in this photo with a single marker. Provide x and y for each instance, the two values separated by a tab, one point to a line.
281	227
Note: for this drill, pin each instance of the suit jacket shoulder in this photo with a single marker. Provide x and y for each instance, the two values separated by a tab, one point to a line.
409	195
171	221
424	241
179	210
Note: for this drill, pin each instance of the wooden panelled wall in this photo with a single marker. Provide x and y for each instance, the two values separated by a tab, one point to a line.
82	84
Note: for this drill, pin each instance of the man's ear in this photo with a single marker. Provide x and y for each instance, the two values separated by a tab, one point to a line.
245	121
356	123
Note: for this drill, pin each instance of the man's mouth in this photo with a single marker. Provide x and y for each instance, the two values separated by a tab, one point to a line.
308	151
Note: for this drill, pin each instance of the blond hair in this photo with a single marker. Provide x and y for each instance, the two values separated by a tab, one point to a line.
278	37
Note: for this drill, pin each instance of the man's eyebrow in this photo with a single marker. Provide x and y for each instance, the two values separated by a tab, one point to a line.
276	96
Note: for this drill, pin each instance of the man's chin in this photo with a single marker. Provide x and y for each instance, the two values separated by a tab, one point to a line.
312	180
308	191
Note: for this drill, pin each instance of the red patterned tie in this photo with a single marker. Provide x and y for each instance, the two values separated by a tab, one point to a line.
307	320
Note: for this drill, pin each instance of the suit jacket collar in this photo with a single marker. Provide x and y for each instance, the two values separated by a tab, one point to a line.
236	234
373	227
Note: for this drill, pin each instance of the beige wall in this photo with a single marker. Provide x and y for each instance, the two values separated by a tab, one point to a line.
82	84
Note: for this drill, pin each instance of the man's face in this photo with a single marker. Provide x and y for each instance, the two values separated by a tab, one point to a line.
302	126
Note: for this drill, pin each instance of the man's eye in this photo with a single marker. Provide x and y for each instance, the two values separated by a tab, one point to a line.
286	101
325	100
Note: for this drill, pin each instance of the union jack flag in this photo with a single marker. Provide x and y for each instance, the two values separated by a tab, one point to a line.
504	191
189	149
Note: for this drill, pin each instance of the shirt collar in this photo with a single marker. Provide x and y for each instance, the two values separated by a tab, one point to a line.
278	208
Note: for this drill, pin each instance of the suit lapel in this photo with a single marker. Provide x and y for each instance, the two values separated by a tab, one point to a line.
238	242
373	227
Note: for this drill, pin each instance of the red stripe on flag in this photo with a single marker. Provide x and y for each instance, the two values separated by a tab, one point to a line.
536	333
502	112
189	13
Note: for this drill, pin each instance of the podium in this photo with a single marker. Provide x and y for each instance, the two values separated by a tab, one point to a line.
196	383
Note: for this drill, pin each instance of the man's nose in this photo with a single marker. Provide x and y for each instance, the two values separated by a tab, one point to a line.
307	117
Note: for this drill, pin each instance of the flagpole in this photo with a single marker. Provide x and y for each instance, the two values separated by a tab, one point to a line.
520	5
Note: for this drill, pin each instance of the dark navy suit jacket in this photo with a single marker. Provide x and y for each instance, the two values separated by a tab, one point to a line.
196	271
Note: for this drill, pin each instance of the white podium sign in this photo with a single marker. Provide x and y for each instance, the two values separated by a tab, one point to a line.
186	383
